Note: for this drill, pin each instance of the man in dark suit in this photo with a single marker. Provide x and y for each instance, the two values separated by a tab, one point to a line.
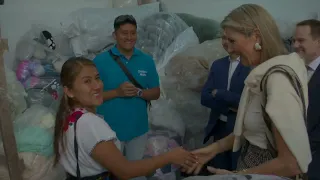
221	93
307	44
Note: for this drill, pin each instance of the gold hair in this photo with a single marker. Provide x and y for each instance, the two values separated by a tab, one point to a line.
251	18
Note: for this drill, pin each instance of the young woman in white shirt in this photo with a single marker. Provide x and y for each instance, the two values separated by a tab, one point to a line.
94	152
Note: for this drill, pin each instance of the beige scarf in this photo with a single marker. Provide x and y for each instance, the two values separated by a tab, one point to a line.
297	141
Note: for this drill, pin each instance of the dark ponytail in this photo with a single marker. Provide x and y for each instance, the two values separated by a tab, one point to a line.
63	112
70	70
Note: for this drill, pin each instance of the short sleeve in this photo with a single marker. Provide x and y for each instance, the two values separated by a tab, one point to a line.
285	109
153	77
97	61
91	130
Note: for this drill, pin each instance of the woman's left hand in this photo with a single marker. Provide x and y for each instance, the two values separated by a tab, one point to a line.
218	171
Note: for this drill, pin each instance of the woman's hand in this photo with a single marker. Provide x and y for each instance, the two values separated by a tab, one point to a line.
218	171
183	158
203	155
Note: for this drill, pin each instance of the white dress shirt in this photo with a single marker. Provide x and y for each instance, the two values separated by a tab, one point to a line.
232	67
312	67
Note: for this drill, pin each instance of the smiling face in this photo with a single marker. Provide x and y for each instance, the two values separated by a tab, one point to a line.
225	42
305	45
87	88
126	36
244	46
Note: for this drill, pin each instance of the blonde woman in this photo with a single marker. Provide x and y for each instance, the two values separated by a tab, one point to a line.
270	127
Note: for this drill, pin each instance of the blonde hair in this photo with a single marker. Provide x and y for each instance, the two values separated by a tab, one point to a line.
250	18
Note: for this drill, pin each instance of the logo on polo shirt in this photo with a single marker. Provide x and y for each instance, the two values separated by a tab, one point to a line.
142	72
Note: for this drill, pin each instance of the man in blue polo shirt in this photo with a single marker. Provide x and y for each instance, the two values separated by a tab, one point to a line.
125	105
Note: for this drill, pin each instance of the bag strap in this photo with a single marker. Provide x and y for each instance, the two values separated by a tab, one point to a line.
126	72
294	80
76	148
125	69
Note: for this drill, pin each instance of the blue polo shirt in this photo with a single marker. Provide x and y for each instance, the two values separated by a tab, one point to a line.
127	116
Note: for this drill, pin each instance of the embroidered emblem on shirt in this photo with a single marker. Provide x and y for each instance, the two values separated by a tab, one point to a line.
142	72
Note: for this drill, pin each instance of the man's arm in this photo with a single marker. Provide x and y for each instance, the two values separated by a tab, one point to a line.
231	98
153	90
151	94
107	95
207	98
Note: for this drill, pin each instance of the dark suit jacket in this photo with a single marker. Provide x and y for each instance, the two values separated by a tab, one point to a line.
313	124
218	79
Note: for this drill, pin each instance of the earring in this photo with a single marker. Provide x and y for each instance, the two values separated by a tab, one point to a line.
257	47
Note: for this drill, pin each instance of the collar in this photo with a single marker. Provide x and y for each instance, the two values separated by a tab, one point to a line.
314	64
117	52
292	60
238	59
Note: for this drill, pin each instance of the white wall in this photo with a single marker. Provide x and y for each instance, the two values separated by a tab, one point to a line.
217	9
16	16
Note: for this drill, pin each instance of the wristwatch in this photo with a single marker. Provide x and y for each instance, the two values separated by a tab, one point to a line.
139	93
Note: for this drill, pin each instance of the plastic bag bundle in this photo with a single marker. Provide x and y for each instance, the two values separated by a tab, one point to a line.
189	69
160	142
41	41
33	130
206	29
188	72
194	116
40	55
237	177
124	3
35	167
163	114
15	93
90	29
185	74
289	44
157	32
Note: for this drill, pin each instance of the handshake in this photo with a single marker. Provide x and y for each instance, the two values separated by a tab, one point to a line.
192	162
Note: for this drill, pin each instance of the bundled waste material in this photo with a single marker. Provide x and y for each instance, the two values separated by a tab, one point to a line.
124	3
163	114
15	93
157	32
205	28
159	142
90	29
185	74
289	44
34	92
40	55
